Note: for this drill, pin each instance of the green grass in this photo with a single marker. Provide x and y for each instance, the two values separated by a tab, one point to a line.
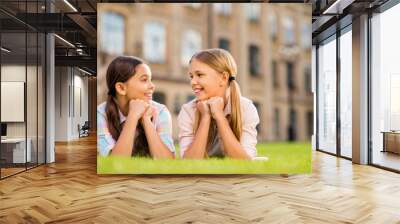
290	158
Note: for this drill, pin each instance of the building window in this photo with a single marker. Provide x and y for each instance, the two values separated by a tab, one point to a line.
224	44
306	35
276	122
254	60
193	5
223	8
159	97
154	42
191	43
112	33
257	105
273	26
253	11
288	31
290	76
310	120
275	75
292	125
307	79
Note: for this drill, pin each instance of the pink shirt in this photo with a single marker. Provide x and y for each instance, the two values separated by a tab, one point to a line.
248	140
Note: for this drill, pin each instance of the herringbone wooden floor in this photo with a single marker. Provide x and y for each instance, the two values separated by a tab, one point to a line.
70	191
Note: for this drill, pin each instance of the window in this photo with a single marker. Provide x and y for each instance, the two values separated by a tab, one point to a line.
22	97
276	122
291	85
191	43
224	44
275	75
223	8
154	42
254	60
346	94
193	5
273	26
159	97
307	79
112	33
310	120
327	97
288	31
292	125
385	87
306	35
253	11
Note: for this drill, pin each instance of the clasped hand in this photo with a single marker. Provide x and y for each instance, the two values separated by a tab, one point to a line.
139	109
214	107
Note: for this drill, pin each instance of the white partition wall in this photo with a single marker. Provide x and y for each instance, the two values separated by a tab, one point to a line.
71	102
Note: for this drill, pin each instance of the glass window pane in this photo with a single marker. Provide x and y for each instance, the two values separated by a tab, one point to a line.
224	44
385	86
346	94
154	42
306	35
112	33
277	124
254	60
253	11
41	99
14	153
327	96
32	96
191	43
273	25
288	31
223	8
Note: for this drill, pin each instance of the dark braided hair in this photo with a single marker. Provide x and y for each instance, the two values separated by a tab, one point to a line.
121	69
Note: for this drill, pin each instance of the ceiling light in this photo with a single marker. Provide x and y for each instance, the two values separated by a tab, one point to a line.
65	41
70	5
5	50
86	72
338	6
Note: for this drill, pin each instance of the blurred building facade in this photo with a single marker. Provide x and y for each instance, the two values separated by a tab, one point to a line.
271	44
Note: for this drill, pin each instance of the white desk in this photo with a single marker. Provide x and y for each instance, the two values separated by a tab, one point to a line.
19	149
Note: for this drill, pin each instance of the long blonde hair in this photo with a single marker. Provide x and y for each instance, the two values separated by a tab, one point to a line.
222	61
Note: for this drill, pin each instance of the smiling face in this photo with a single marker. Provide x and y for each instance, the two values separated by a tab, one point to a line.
206	82
139	86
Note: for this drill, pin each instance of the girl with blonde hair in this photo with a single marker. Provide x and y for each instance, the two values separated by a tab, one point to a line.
219	122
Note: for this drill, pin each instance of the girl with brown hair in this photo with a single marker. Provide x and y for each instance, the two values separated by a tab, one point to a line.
129	122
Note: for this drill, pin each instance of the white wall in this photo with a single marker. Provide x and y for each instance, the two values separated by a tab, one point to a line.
70	83
16	73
